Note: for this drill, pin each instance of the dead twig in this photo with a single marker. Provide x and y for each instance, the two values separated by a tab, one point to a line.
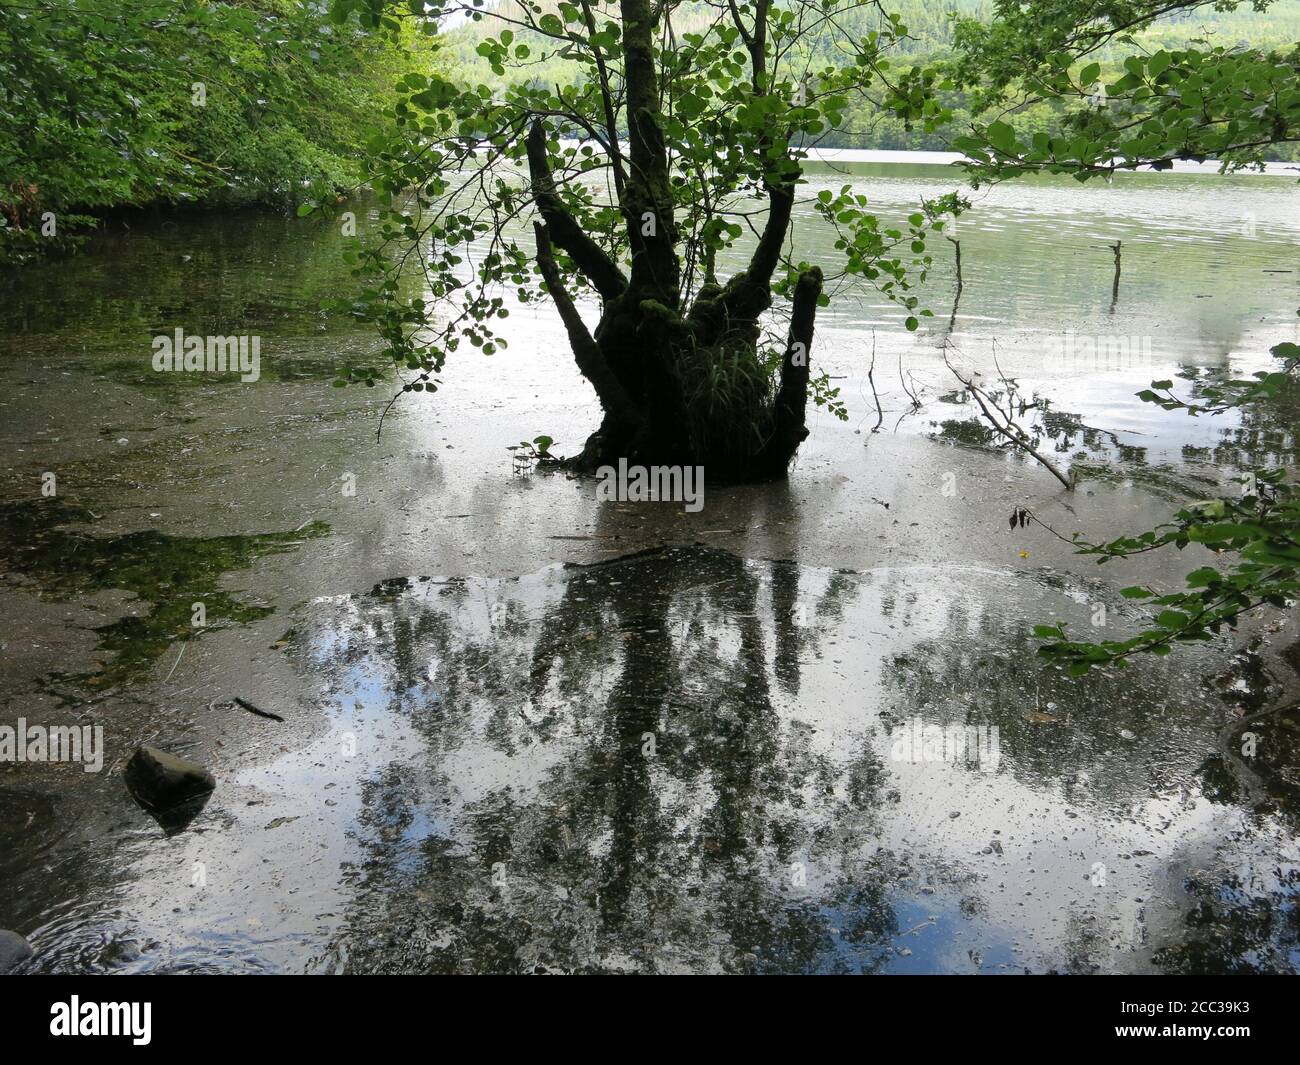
1005	427
916	402
880	414
257	710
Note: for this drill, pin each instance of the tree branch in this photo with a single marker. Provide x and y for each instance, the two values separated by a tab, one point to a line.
589	257
607	102
791	405
1005	427
591	361
748	294
648	198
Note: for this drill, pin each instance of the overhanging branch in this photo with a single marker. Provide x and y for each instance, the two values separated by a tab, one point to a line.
591	361
586	254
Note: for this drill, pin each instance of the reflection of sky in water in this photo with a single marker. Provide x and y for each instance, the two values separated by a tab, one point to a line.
518	740
776	694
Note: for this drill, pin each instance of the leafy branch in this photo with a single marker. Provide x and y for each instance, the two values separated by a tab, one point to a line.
1259	530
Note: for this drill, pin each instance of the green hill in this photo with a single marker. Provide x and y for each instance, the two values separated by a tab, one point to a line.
930	35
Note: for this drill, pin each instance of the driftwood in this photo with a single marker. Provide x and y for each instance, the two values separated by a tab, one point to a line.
1005	427
257	710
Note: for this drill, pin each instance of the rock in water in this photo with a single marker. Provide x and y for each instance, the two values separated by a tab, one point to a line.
160	780
13	949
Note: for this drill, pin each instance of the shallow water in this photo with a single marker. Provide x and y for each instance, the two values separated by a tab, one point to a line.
626	737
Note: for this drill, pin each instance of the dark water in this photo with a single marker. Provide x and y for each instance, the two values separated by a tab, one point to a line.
622	737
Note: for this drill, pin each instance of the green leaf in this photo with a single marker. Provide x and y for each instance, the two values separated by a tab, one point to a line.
1001	136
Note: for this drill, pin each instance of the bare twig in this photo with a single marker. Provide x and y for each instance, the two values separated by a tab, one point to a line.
1005	427
256	710
880	414
916	402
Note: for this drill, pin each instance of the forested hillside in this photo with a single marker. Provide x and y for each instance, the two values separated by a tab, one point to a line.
931	29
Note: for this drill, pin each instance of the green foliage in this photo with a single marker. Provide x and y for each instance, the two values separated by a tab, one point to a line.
1258	532
105	104
873	252
1233	103
538	449
1264	385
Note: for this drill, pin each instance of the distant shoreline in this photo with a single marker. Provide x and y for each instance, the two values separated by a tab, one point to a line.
929	158
1273	168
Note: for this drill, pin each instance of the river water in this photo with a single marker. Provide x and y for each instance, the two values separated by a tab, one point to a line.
527	730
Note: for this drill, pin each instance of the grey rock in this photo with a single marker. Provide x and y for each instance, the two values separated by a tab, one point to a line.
13	949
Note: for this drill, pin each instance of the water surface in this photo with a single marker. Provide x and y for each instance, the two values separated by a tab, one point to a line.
526	730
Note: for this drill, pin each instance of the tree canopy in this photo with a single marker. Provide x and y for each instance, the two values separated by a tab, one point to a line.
105	104
1237	105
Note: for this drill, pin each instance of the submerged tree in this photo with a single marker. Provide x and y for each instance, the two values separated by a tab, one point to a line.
685	129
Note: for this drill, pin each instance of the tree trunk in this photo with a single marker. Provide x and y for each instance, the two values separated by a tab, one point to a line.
648	360
634	362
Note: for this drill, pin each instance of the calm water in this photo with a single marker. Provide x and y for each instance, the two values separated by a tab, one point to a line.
526	730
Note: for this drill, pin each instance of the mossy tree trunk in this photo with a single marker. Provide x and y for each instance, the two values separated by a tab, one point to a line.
635	356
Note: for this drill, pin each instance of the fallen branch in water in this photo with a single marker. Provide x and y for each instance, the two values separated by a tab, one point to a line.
256	710
1005	427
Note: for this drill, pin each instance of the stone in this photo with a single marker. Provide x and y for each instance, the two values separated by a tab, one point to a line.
160	780
13	949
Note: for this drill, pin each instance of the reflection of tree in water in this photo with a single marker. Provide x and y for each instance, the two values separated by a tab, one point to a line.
583	852
1257	435
1050	428
1068	733
1111	740
1243	910
521	825
1233	926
